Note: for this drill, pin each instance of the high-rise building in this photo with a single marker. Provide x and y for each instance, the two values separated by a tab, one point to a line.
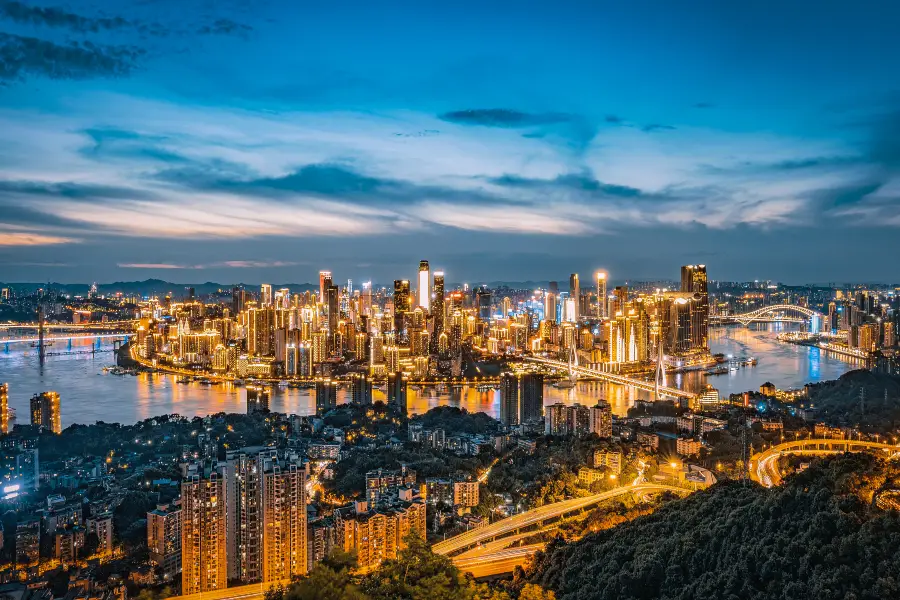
575	294
509	399
483	303
204	548
601	420
401	304
531	391
283	521
265	295
396	392
4	408
675	312
238	299
45	411
550	306
326	395
693	281
423	290
601	295
360	389
257	399
331	301
164	538
324	283
365	305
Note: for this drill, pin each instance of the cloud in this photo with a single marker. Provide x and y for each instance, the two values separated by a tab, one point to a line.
704	105
226	27
57	17
232	264
503	117
657	127
21	56
31	238
614	119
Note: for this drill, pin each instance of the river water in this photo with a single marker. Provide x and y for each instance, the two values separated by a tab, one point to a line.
89	395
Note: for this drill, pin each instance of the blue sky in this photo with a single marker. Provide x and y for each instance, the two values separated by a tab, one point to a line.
233	140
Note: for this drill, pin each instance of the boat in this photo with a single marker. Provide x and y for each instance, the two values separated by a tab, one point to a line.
283	384
717	371
751	362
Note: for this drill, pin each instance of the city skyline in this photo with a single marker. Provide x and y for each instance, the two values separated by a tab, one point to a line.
232	141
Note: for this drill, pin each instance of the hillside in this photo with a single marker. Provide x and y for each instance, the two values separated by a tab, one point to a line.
817	537
859	398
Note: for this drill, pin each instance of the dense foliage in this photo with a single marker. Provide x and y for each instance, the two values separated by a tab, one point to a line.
818	536
859	398
456	421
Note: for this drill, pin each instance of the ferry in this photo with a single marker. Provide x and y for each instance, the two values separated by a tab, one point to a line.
717	371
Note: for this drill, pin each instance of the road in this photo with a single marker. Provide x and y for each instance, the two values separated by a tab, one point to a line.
254	591
536	516
498	563
764	465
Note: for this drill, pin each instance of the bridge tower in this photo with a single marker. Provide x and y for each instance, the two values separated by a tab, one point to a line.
573	364
660	368
41	350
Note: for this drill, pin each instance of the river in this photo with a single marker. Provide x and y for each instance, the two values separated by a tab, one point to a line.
89	395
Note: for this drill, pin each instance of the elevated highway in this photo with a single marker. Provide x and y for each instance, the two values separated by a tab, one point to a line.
764	465
513	526
640	384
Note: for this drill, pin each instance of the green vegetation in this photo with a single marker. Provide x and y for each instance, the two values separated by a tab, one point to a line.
859	398
456	421
819	536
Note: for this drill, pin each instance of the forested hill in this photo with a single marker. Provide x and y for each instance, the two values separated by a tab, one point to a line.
818	536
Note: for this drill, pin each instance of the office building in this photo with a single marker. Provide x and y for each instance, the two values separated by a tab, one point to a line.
574	295
423	288
483	303
693	281
401	304
325	282
437	309
257	399
45	412
601	295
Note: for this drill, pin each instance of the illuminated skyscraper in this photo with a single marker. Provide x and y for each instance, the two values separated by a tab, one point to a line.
324	282
575	293
401	304
257	399
365	307
265	295
550	306
601	294
45	411
331	299
4	408
396	392
437	311
283	520
360	389
483	303
204	548
693	281
423	290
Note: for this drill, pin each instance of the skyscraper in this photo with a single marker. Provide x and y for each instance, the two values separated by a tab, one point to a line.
331	298
265	295
396	392
283	520
360	389
257	399
575	294
45	411
423	291
204	556
693	281
601	294
326	395
4	408
550	306
437	310
483	303
324	282
601	420
401	304
509	399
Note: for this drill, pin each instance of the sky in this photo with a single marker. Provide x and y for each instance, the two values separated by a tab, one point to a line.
262	140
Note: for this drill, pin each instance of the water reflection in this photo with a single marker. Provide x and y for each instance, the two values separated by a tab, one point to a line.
89	395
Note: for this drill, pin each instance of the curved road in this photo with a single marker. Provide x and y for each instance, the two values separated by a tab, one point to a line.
766	469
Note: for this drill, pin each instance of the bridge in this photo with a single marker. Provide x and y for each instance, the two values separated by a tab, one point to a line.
776	313
640	384
766	469
91	326
512	527
60	338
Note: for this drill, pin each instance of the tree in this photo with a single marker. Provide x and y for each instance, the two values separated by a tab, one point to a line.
329	580
417	574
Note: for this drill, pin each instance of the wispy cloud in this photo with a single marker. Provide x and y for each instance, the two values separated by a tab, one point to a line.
231	264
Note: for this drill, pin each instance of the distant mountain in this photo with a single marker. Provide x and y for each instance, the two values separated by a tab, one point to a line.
152	287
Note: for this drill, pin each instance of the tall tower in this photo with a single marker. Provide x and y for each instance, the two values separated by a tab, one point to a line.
265	295
693	281
437	310
601	294
324	283
401	303
575	293
423	290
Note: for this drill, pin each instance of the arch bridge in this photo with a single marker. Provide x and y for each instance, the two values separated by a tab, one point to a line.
780	313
